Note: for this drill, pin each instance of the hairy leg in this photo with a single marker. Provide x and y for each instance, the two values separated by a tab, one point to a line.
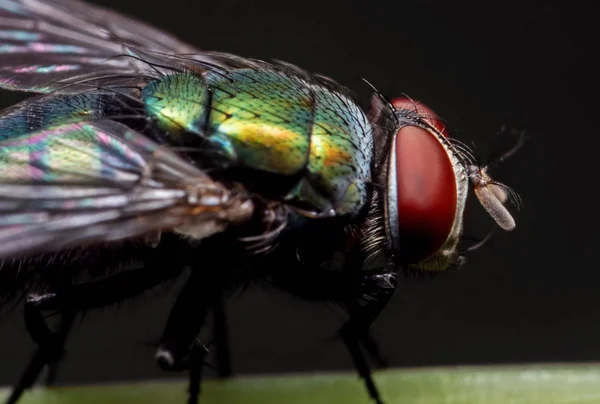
179	348
363	293
67	302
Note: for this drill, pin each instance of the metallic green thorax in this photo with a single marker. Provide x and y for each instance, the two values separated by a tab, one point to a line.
276	122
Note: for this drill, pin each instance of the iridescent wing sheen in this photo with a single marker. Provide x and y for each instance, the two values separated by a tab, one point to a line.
47	42
99	181
48	45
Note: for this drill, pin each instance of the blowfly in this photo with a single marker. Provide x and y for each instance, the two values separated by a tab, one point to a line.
142	157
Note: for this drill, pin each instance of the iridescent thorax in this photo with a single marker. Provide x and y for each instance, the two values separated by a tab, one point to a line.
276	122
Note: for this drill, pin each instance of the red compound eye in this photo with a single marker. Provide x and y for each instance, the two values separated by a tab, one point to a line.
425	193
424	110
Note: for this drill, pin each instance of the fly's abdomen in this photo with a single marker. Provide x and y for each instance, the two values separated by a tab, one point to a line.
47	111
276	123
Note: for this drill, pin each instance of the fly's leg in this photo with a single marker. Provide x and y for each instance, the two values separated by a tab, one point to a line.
374	288
66	323
377	289
221	337
372	348
70	301
64	328
179	348
50	348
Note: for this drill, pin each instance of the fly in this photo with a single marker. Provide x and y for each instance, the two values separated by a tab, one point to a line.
142	157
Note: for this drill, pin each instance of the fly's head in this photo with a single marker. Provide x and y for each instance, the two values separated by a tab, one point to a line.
423	180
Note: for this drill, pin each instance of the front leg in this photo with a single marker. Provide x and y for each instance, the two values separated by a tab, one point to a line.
363	293
377	288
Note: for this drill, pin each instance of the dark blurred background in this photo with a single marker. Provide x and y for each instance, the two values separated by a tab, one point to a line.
533	296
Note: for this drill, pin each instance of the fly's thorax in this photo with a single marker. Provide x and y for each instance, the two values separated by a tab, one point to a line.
308	142
339	165
279	123
263	117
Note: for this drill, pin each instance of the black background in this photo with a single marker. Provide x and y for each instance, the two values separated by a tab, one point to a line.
533	296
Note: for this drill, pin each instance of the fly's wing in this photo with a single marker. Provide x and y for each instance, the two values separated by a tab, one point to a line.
45	44
95	182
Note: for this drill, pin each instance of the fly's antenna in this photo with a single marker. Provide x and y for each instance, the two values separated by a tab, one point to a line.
493	195
498	156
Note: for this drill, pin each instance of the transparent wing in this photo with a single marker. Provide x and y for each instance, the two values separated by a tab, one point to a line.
95	182
46	42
